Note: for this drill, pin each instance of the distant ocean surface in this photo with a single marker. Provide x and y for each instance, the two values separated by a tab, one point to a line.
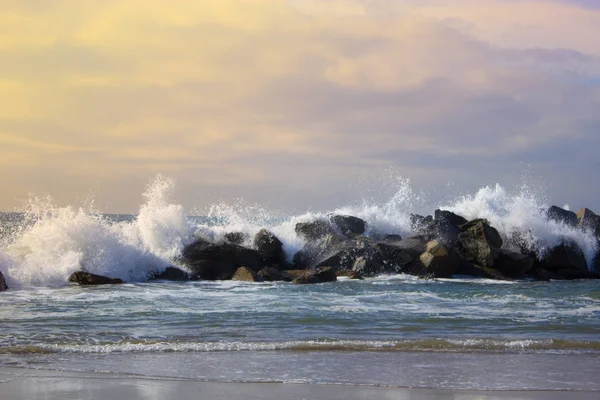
393	330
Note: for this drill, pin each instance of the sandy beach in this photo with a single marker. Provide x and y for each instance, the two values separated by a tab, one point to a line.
17	383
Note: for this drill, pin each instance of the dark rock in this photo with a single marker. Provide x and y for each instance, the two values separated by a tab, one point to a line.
219	261
349	224
273	275
314	252
244	274
313	230
397	257
3	285
445	232
392	238
466	268
171	274
316	275
204	270
440	260
588	221
567	255
514	265
85	278
367	267
235	237
419	222
570	274
542	274
450	217
562	216
269	247
480	243
191	251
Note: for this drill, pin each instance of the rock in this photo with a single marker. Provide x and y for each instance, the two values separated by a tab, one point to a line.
571	274
366	266
567	255
450	217
85	278
349	274
479	243
588	221
235	237
542	274
514	265
269	247
273	275
419	222
171	274
466	268
3	285
445	232
319	250
349	224
392	238
219	261
397	257
244	274
204	270
316	275
439	260
313	230
562	216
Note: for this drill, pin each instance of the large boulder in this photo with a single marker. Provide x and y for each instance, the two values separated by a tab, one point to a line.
313	230
588	221
446	227
244	274
562	216
171	274
318	250
315	275
269	247
514	265
2	283
450	217
571	274
235	237
86	279
439	260
567	255
269	274
480	243
348	224
466	268
219	261
420	223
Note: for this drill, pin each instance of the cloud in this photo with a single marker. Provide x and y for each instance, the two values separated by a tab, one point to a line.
235	95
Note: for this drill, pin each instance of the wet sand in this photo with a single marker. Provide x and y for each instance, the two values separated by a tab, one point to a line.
18	383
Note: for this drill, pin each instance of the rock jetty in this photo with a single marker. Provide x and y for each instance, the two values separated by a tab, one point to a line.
444	245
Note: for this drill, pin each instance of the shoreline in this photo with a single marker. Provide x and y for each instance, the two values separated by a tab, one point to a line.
54	384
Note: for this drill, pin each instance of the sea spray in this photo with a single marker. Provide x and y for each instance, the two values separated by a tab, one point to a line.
521	220
57	241
50	242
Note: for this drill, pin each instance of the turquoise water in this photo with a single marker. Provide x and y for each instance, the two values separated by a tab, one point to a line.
389	330
281	332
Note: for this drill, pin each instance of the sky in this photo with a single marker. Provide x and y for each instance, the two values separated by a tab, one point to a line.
297	104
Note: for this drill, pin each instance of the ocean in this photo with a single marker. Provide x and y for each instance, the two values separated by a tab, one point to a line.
392	330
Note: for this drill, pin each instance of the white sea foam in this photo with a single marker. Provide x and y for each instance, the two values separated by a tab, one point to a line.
56	241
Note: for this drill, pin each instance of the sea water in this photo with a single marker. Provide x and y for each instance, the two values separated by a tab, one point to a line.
393	330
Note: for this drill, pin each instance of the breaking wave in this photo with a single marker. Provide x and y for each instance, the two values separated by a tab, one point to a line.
45	244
